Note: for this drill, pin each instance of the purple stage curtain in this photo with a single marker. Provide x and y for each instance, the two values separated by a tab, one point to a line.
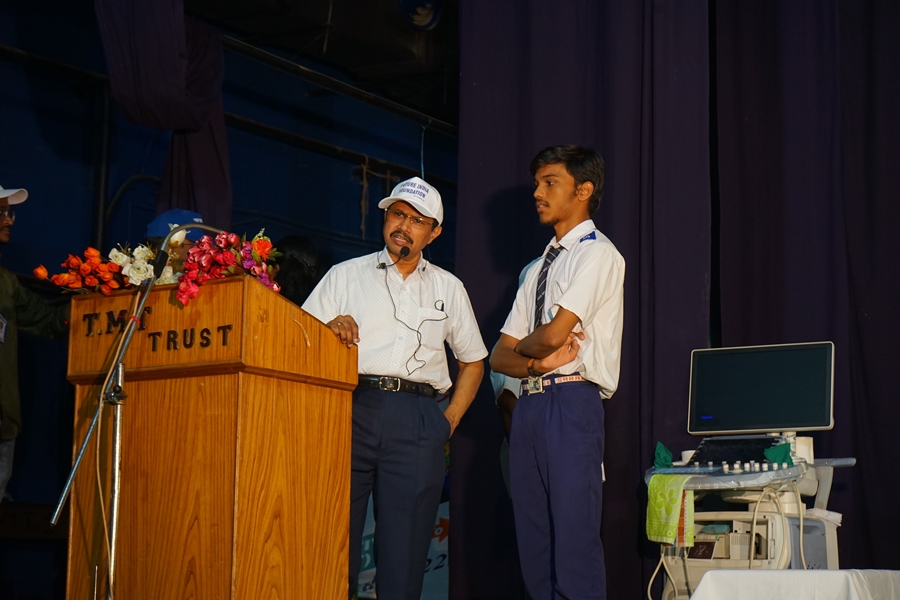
629	79
808	97
166	72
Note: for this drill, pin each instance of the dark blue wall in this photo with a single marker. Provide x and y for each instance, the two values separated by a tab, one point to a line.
49	139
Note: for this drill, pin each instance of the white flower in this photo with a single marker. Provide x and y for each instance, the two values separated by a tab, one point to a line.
168	276
137	272
177	239
120	258
141	253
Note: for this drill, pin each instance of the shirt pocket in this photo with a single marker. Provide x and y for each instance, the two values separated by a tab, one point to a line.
433	327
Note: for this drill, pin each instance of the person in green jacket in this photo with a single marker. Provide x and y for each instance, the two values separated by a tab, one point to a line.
19	309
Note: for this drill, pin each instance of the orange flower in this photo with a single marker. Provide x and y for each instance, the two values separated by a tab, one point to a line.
41	272
60	279
94	261
73	262
113	267
75	283
103	267
105	290
262	247
91	253
105	276
85	269
113	284
90	280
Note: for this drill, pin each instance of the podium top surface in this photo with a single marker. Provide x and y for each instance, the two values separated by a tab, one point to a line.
233	325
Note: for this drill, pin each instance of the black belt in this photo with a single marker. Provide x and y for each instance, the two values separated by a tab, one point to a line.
395	384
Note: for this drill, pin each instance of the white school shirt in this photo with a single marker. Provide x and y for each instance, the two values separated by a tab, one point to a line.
587	279
392	312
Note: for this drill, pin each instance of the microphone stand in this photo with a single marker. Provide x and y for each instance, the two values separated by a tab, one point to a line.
113	393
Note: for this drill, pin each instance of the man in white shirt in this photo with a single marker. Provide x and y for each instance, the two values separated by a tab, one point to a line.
563	338
400	310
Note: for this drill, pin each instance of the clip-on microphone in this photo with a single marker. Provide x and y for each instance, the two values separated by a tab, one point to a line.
404	252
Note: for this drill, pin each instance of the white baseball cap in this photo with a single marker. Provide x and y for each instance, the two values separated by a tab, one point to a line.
15	196
418	194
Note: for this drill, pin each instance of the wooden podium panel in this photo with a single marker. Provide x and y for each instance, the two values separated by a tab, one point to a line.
174	535
280	514
236	455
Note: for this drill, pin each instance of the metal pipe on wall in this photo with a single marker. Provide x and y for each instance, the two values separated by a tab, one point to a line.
103	210
101	168
326	149
337	86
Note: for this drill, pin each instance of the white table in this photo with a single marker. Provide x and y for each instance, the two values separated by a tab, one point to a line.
722	584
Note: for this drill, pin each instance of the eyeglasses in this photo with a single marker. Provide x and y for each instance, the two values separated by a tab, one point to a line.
396	214
7	213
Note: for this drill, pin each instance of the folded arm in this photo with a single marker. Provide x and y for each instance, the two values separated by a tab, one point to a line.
548	338
506	358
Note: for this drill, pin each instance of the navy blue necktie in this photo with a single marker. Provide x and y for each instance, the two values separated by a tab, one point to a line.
552	253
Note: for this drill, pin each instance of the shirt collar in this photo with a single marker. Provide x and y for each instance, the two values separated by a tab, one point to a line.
571	238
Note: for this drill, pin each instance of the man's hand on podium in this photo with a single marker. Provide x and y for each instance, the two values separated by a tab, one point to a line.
345	327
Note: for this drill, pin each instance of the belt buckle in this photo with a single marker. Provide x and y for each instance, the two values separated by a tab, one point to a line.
389	384
534	385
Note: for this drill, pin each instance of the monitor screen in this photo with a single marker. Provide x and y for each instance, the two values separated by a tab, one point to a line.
761	389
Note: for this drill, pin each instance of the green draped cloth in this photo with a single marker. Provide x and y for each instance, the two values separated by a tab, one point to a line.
670	511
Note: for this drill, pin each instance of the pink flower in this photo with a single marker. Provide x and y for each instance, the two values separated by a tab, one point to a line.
205	244
187	290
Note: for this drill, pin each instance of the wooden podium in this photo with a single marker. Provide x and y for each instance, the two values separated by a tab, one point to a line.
235	479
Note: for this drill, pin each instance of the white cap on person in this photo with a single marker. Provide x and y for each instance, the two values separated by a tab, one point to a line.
418	194
14	196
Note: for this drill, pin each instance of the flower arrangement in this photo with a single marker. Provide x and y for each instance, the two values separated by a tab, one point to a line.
87	274
122	270
226	254
211	258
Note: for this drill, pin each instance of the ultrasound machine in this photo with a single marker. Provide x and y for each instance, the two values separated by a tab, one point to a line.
744	401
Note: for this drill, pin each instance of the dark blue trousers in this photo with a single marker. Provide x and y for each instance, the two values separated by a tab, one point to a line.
555	456
398	455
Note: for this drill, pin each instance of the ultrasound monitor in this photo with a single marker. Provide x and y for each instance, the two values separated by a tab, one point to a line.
761	389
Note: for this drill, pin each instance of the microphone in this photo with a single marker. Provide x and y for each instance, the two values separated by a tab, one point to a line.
404	252
162	256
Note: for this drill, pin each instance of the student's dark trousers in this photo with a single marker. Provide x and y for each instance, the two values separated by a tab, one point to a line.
556	456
